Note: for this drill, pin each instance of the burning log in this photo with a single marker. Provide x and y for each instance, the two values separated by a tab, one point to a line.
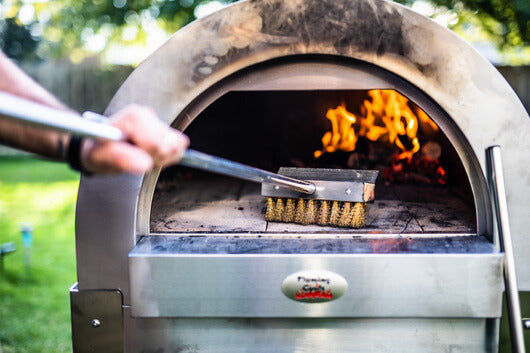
423	168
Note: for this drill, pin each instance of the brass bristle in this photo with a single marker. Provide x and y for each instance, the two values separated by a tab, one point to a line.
310	212
278	209
323	216
335	213
300	211
359	214
269	213
332	213
288	214
346	215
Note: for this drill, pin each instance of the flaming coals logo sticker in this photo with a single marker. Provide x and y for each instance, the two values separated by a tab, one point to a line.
314	286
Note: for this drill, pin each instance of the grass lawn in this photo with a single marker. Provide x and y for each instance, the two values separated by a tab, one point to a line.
34	303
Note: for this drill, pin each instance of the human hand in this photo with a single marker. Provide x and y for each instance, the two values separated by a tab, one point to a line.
150	143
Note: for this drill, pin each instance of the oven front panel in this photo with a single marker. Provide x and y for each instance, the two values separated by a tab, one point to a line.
226	276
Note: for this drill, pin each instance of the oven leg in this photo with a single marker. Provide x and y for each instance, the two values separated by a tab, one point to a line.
498	200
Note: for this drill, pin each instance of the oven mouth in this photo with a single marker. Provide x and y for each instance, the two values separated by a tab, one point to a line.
222	121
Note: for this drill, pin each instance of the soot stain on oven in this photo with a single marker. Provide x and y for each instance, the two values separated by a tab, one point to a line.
338	23
366	27
339	27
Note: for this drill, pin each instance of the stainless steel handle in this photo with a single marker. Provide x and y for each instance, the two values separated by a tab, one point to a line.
95	126
206	162
498	198
19	109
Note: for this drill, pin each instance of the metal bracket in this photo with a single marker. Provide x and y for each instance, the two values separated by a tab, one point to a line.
97	320
331	184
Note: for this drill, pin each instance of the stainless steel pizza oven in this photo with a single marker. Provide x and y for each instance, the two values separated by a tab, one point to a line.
183	261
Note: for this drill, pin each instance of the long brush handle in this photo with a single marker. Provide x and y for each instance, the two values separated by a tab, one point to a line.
94	126
199	160
23	110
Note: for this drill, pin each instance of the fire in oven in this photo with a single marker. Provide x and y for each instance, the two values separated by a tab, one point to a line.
182	260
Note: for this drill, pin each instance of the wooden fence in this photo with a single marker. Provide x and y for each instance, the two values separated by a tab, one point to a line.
87	86
519	78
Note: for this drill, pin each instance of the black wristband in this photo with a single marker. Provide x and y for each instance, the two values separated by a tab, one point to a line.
73	153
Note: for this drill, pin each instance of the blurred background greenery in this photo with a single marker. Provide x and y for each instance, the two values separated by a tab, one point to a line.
124	31
34	300
73	48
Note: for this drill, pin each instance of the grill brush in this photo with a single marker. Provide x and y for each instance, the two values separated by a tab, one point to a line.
334	197
339	199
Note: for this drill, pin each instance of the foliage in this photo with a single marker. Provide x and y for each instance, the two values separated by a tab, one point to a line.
78	28
508	21
16	41
34	304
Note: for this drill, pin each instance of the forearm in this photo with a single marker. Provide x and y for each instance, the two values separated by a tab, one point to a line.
149	143
32	139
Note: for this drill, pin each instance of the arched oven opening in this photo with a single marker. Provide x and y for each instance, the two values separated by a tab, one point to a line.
301	112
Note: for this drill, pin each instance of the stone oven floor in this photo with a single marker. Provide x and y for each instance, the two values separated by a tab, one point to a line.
225	205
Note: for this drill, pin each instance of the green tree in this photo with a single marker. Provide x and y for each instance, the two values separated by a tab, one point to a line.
508	21
16	40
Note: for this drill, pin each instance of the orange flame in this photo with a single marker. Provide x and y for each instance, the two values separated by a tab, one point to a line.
387	116
342	135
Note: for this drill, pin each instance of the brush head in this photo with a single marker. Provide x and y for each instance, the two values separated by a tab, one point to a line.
322	212
339	200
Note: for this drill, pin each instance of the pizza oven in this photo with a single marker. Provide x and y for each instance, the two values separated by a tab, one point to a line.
183	261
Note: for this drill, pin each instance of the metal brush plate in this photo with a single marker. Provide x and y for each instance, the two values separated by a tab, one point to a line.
351	175
332	184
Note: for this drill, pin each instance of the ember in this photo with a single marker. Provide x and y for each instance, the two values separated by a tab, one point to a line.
418	169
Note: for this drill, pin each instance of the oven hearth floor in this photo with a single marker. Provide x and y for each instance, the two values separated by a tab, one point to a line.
225	205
